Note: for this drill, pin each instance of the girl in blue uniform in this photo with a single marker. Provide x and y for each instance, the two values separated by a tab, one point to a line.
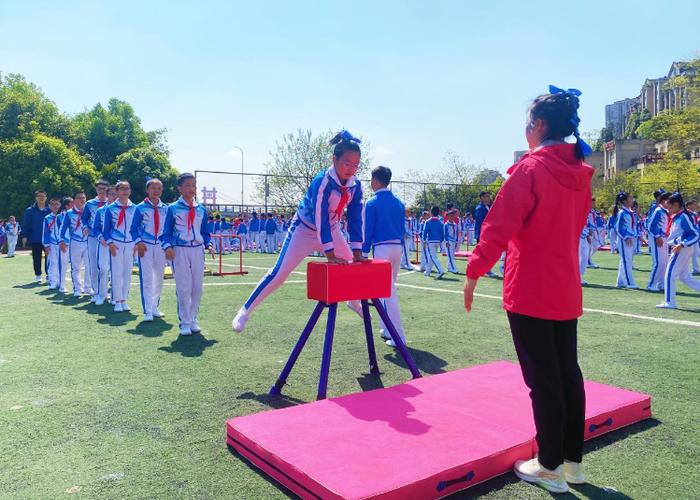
682	238
316	225
626	236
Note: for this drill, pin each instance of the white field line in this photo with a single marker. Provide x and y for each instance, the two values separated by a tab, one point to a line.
598	311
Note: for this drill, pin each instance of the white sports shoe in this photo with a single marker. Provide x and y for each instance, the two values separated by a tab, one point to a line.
384	334
584	282
125	307
239	321
118	307
158	314
185	330
666	305
99	301
390	343
533	472
195	327
148	317
573	472
77	294
37	279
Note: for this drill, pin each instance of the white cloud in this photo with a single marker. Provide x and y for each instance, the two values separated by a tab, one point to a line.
382	151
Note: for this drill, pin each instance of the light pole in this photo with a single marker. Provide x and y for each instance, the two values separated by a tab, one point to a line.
242	176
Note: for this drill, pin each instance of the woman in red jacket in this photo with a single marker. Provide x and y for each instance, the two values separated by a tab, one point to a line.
548	191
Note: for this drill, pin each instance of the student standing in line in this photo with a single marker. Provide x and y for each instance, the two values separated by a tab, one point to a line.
384	235
146	230
92	233
103	257
74	240
12	230
433	235
542	284
657	225
626	234
51	239
66	206
118	218
184	238
682	237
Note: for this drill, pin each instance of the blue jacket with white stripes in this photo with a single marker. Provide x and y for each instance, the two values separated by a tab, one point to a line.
383	221
624	225
319	210
683	231
433	231
657	222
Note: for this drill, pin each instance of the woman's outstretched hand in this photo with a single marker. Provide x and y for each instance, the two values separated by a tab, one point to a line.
469	287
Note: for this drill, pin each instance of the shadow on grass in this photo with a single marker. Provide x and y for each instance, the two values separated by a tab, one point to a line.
150	329
370	381
189	346
111	318
253	468
29	286
276	402
427	362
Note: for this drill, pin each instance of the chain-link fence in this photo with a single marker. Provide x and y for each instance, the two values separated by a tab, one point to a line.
244	192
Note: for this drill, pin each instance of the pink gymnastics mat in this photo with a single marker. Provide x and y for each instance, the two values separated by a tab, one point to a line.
427	438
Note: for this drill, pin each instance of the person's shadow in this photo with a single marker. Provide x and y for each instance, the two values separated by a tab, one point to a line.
29	286
189	346
150	328
273	401
427	362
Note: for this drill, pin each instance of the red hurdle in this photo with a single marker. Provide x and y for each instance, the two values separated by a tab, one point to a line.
220	247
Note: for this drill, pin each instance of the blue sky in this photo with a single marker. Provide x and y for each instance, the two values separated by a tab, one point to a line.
416	78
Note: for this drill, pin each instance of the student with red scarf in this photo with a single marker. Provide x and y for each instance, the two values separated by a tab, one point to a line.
548	190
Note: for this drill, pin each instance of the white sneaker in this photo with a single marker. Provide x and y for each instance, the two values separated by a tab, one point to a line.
148	317
158	314
118	307
37	279
185	330
653	289
390	343
99	301
239	321
533	472
194	327
666	305
93	299
439	276
77	294
125	307
584	282
384	334
491	274
632	287
62	290
573	473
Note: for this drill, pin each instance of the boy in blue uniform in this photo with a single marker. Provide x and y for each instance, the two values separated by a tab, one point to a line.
50	239
102	285
93	244
11	233
116	228
74	240
433	236
451	238
384	234
253	233
270	236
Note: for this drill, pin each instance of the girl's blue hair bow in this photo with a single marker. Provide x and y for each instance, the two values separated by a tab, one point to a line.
347	136
575	120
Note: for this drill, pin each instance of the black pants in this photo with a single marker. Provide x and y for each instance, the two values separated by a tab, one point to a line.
37	253
547	354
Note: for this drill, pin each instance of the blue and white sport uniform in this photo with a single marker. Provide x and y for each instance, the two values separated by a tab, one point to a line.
186	230
657	223
626	231
384	232
684	232
116	230
152	264
451	235
74	234
87	219
50	238
316	228
433	235
102	286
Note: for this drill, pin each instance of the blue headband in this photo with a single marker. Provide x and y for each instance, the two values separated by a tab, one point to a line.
575	120
347	136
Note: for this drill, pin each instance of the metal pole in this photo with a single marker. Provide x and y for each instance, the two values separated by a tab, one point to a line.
242	175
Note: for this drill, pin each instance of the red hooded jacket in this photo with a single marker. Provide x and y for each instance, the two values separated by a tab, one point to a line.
537	217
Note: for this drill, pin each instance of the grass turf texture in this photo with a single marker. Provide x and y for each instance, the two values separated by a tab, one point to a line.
103	405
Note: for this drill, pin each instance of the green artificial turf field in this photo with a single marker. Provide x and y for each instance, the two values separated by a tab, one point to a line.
96	404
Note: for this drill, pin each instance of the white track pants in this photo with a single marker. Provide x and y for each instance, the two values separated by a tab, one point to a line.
54	260
151	271
613	241
121	266
694	259
102	271
405	257
678	270
11	244
450	247
93	265
298	244
583	255
432	251
394	254
78	255
253	241
423	256
64	259
624	269
659	261
188	270
270	243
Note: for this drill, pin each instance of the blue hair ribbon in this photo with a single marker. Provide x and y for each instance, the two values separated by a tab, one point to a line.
347	136
575	120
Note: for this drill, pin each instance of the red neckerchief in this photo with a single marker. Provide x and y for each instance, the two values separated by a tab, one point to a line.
190	217
156	217
80	214
122	214
670	224
344	196
53	221
100	203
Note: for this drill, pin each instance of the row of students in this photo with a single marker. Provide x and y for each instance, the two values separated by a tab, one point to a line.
9	231
103	236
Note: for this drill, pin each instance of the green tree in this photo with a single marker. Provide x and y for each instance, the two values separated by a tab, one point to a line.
40	162
25	110
296	160
137	166
102	134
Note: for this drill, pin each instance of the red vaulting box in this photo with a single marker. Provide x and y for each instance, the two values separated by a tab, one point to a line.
339	283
